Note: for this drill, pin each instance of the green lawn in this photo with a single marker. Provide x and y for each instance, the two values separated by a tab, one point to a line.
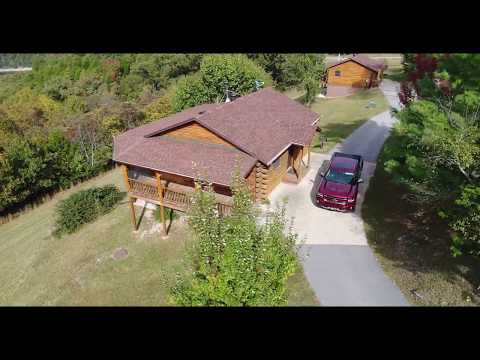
395	74
294	93
412	245
37	269
340	117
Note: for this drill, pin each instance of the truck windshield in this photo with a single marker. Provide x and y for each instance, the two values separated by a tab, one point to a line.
339	177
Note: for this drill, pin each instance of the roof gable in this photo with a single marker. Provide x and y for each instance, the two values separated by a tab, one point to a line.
195	131
362	60
264	123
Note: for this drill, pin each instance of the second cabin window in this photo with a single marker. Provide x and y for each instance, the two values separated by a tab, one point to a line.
338	73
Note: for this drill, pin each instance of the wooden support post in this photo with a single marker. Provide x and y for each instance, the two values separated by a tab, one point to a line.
160	195
131	200
125	177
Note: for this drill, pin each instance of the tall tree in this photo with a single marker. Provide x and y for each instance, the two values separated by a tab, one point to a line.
219	73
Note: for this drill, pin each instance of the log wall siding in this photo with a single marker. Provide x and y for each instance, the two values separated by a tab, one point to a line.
351	74
267	178
177	179
224	190
276	174
251	182
197	132
261	181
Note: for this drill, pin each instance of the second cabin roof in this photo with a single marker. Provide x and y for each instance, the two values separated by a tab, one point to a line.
363	60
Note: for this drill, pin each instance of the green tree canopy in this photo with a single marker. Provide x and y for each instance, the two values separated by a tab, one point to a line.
219	72
235	260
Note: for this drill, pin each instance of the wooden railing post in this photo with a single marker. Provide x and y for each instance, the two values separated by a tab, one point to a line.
131	199
125	177
160	196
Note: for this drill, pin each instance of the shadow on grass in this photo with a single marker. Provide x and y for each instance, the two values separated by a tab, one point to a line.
410	238
395	75
335	133
170	215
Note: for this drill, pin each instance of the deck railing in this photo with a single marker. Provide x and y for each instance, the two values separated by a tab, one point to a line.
144	190
175	196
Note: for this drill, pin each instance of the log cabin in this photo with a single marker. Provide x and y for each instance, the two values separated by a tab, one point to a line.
359	71
265	135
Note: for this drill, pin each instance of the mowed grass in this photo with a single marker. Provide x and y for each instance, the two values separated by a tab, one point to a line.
299	291
412	246
78	270
340	117
395	74
294	93
38	269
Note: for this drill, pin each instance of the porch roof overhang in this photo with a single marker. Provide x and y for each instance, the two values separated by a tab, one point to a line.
187	158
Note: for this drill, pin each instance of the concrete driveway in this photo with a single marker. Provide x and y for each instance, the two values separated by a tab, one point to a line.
338	262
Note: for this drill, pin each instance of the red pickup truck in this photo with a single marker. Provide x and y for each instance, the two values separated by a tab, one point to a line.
339	186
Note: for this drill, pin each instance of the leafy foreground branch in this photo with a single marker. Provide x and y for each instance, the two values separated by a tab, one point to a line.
241	260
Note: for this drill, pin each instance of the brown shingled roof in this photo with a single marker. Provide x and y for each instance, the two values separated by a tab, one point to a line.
187	158
363	60
261	125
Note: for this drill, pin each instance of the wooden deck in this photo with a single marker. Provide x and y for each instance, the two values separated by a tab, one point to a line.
175	196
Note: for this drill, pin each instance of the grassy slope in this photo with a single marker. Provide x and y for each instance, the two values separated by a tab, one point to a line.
340	117
294	93
38	269
412	246
77	269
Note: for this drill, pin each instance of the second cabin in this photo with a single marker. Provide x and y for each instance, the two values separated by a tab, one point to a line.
357	71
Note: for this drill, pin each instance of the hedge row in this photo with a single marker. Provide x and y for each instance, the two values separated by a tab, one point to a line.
84	207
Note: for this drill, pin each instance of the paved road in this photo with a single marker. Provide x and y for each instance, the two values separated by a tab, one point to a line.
338	262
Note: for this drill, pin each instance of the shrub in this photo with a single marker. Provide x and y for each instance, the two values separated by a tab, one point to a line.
159	108
238	260
84	207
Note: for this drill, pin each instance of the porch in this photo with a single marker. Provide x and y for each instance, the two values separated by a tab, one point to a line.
175	196
167	194
295	175
298	166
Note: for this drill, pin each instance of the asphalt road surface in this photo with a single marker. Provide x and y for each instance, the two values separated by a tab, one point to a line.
338	262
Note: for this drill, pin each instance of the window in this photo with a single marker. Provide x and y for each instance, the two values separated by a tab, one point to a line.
338	73
137	173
